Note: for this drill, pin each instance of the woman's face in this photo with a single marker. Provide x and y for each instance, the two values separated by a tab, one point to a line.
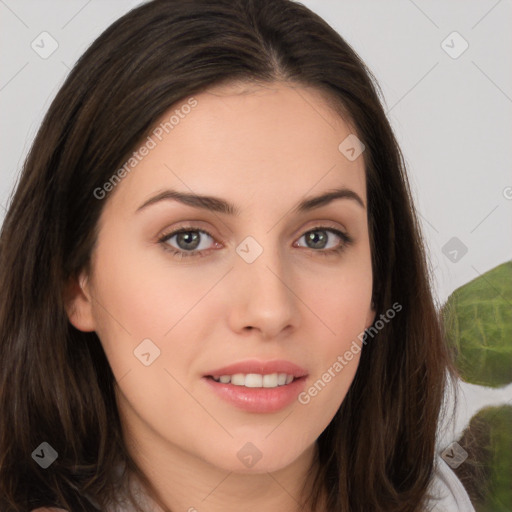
264	283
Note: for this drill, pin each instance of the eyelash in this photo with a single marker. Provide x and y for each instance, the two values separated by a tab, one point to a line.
346	241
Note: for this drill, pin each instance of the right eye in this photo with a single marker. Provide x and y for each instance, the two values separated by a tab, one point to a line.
188	241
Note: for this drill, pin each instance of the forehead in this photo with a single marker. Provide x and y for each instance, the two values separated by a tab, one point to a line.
268	141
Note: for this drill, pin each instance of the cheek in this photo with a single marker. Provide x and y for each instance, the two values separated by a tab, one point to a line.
342	306
343	314
134	300
341	299
142	298
147	296
338	348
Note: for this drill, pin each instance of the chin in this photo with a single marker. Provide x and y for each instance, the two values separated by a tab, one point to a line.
256	458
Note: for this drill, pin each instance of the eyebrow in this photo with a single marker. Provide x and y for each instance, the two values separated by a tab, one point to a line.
216	204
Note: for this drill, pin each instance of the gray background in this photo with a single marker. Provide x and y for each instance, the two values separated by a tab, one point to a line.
452	116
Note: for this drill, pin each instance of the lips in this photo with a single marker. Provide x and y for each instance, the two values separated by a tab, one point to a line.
258	396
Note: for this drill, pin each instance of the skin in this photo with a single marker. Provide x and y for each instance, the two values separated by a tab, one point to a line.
263	148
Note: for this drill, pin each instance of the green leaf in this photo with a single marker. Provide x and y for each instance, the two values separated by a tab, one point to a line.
478	323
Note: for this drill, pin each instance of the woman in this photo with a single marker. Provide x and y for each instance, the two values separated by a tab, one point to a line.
215	291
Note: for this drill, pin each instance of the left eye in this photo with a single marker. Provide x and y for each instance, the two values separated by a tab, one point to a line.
319	242
189	243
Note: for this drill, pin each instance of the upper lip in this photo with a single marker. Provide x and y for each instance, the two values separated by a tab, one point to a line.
260	367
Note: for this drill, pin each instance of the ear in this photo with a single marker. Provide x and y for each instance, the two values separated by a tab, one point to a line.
78	303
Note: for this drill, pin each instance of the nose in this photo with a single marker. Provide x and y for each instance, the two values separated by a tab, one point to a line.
263	298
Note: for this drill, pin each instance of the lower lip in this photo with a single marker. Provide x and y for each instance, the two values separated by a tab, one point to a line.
260	400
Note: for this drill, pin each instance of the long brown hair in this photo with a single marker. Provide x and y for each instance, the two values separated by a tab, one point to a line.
56	385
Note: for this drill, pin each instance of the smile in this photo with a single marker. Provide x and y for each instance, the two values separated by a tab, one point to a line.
256	380
252	395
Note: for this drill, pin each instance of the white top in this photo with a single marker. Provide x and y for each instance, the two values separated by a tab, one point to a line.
448	491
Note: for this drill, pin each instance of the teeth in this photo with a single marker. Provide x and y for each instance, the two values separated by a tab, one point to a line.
270	381
252	380
238	379
256	380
